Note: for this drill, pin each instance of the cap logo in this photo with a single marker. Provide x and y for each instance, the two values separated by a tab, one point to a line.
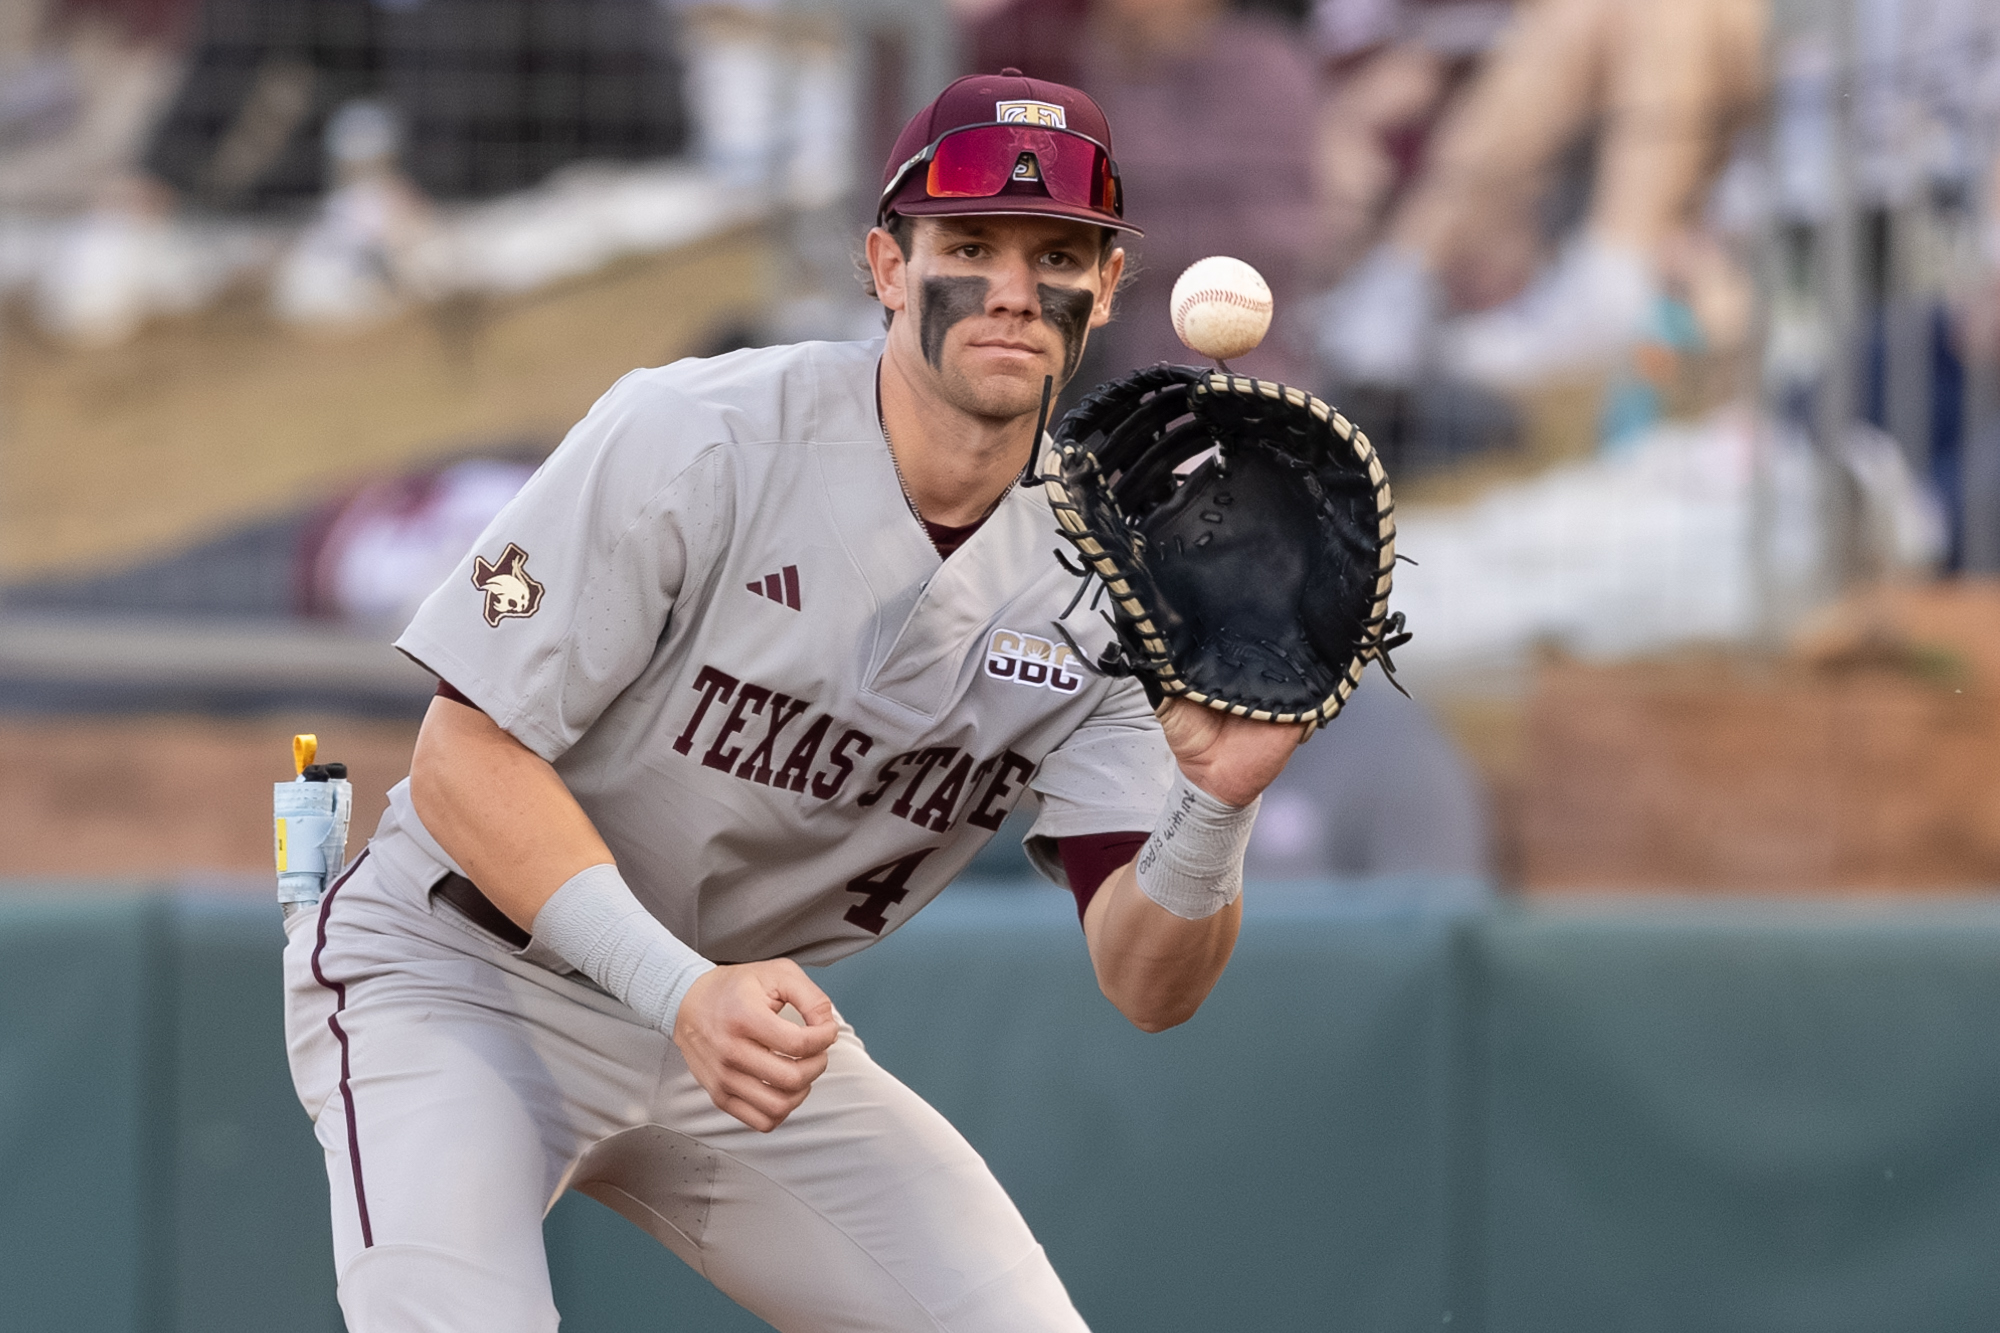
1026	168
1031	113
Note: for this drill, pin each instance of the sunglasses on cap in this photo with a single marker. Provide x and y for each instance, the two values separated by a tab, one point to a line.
979	161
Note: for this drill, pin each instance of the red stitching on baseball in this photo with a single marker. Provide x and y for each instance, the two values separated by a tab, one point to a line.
1252	304
1226	296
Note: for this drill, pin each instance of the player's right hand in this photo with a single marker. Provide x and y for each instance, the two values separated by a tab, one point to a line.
755	1064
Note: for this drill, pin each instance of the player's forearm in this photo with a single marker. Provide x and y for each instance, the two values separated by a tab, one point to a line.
499	810
1154	966
1165	923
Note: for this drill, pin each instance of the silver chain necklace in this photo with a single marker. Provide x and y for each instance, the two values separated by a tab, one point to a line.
908	498
882	420
911	500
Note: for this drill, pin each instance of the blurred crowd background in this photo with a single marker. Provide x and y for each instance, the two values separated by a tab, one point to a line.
1677	322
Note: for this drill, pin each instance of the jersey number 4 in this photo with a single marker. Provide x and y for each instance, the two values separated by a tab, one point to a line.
884	885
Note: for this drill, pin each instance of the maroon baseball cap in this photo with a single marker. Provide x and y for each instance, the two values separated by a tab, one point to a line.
1008	98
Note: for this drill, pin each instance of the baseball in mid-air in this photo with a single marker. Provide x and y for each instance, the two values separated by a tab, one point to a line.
1222	307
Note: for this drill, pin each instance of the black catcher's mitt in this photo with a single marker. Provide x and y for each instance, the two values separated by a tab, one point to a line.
1255	581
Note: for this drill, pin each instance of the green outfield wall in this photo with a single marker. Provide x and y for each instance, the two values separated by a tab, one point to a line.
1619	1119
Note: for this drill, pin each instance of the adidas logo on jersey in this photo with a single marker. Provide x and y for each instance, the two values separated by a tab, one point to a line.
781	587
1012	655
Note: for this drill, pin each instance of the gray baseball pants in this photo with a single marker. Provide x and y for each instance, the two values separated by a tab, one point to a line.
458	1089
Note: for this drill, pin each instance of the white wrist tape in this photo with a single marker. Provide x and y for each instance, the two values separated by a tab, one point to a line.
1193	863
596	926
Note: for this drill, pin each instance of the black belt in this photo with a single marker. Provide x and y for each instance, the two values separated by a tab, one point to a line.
463	894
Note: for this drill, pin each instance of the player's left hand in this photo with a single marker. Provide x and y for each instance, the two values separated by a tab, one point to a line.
1231	758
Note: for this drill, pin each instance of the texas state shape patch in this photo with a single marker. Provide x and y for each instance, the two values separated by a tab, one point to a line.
509	589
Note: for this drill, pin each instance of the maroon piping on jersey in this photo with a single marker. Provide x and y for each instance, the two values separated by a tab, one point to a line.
339	989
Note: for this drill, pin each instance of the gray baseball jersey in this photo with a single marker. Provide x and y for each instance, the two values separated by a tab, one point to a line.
713	611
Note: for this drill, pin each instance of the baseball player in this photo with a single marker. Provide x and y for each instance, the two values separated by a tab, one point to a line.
751	668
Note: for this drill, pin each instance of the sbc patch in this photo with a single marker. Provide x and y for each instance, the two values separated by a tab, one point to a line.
509	589
1028	659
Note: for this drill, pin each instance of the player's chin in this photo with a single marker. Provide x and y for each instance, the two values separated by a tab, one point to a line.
1003	388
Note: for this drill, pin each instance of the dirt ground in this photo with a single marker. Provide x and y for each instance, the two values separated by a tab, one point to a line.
1728	779
171	798
1863	760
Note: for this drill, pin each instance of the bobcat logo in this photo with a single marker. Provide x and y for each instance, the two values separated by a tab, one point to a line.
509	589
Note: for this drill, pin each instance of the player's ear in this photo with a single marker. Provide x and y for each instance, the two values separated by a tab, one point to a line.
1109	274
889	270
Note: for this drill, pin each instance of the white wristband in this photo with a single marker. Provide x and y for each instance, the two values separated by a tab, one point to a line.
1192	865
596	926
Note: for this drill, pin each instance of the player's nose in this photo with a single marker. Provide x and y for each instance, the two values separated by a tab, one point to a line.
1012	292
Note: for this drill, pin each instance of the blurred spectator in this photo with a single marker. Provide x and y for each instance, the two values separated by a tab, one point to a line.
1978	339
367	248
1394	65
1980	311
1215	114
1042	37
1685	535
774	98
1661	85
1924	121
80	85
375	108
38	92
493	94
374	556
1380	792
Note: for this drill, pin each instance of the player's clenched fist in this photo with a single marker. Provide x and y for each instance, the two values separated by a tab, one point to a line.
755	1064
